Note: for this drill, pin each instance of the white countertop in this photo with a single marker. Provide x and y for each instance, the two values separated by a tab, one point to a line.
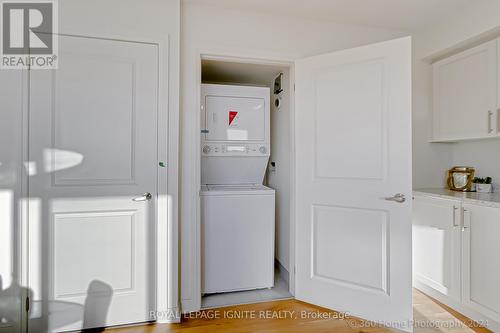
483	199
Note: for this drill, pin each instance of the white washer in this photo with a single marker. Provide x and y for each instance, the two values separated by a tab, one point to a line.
238	237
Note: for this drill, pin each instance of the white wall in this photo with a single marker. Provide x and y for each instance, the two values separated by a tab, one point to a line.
482	155
280	179
219	30
432	160
459	26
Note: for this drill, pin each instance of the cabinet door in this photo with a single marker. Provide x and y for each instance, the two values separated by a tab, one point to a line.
481	259
436	244
498	88
465	90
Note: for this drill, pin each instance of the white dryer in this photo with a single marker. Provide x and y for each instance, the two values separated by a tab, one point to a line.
237	211
235	138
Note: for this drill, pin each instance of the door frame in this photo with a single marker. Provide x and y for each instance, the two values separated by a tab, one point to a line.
166	267
221	55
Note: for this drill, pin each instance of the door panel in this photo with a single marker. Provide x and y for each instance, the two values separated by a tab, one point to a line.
333	231
480	255
339	118
114	266
74	121
93	146
353	149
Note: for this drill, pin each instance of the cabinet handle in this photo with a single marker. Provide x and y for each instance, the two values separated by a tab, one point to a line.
455	224
490	115
498	117
464	213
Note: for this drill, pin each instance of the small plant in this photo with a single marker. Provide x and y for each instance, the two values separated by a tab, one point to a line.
483	185
486	180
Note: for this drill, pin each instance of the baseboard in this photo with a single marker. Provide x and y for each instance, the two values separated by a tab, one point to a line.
170	316
190	305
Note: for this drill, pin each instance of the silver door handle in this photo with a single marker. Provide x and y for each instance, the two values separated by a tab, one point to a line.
145	197
398	197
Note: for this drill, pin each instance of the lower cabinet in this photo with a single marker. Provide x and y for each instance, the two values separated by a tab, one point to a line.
436	244
456	255
481	260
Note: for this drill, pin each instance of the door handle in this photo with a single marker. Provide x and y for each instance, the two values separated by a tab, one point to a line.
145	197
398	197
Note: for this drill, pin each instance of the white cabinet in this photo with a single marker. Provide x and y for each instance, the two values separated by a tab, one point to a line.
436	244
498	84
456	255
481	260
465	93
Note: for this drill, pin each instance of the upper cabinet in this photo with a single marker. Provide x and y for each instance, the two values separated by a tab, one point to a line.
466	94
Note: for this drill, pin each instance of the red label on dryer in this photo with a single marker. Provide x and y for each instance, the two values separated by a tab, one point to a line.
232	116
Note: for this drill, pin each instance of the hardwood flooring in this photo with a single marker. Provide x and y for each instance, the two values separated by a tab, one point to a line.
294	316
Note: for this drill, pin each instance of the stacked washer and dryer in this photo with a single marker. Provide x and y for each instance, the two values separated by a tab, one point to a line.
237	210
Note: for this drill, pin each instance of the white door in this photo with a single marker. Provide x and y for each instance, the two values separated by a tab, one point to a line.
353	150
93	149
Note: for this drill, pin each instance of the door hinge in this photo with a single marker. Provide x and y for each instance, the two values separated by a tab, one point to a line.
27	304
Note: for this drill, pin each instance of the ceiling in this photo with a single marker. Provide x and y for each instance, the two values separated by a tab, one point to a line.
241	73
405	15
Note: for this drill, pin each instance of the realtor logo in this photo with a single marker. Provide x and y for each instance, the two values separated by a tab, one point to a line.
28	35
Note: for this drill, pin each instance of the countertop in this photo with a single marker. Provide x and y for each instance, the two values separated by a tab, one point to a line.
483	199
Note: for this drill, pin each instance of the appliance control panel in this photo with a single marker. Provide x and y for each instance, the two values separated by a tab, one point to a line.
223	149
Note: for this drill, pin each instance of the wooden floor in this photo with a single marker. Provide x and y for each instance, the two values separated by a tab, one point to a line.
294	316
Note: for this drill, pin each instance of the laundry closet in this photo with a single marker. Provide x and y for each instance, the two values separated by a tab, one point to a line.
245	147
